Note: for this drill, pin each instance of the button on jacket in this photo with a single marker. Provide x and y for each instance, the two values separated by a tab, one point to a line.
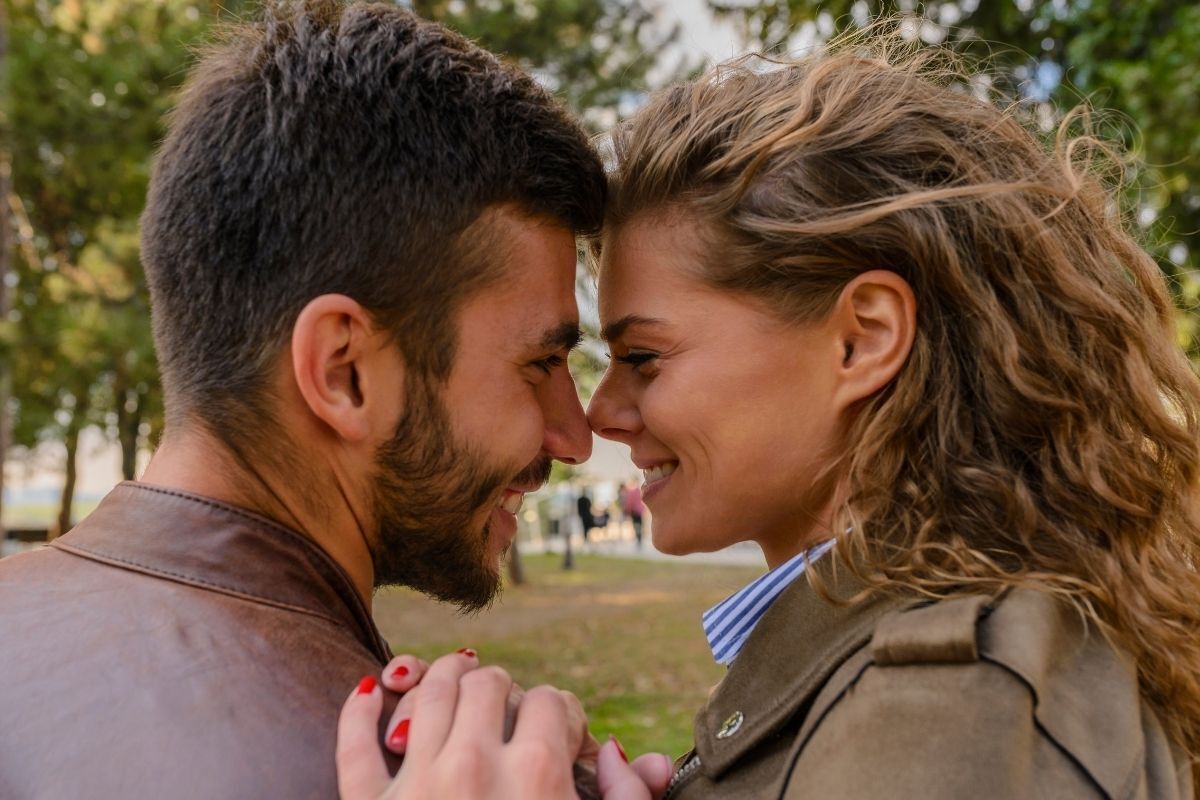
171	646
903	698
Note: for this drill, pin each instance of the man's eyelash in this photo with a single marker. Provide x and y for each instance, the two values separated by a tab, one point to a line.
549	363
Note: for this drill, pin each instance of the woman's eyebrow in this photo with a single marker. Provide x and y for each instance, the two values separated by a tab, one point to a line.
614	330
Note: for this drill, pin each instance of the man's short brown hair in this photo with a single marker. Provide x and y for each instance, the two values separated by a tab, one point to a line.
334	148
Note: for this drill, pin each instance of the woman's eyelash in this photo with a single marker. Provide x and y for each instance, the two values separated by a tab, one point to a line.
636	359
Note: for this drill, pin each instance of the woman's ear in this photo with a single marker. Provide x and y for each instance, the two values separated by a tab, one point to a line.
337	355
876	319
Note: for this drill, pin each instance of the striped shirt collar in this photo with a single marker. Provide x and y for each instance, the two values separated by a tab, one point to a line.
729	623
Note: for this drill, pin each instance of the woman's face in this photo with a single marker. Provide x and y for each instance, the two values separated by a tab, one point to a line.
730	412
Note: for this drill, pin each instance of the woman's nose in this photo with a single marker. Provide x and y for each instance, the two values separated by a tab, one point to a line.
610	412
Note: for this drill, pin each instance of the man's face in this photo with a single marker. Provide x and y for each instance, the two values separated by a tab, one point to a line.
449	482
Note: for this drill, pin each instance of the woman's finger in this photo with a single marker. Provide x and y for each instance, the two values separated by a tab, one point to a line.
403	673
396	734
482	702
362	773
434	705
580	743
544	720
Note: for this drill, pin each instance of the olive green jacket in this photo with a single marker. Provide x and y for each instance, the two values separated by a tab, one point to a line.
905	698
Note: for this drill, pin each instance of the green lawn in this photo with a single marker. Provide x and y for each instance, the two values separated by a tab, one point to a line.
623	635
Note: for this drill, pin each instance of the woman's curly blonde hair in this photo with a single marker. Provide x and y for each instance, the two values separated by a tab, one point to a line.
1044	429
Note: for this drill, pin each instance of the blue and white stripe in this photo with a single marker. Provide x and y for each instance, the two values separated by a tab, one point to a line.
729	623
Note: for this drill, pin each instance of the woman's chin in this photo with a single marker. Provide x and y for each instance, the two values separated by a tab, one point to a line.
666	543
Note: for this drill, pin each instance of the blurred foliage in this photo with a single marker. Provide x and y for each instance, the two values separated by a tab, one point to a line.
1138	64
599	55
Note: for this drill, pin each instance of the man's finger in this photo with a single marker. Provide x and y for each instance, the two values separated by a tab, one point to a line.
618	779
433	707
656	771
362	773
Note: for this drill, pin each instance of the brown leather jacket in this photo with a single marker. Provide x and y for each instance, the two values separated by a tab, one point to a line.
171	646
903	699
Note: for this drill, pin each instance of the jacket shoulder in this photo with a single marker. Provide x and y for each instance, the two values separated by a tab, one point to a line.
1016	693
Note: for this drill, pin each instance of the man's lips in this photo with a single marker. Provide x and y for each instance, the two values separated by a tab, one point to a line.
511	498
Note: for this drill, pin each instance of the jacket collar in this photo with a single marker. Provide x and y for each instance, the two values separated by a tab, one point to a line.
796	646
204	543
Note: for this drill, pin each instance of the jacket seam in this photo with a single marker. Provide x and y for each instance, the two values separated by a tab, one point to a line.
1129	778
195	498
791	767
785	700
199	583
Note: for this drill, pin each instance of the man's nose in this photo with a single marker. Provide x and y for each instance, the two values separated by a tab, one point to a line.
568	437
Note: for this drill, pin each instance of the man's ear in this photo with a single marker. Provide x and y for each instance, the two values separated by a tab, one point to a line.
875	317
336	359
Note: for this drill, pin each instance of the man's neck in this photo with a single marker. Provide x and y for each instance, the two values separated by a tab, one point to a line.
194	461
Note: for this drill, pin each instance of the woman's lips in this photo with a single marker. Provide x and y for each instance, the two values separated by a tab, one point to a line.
657	477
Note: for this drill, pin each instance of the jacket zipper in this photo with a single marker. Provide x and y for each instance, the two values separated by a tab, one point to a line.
682	775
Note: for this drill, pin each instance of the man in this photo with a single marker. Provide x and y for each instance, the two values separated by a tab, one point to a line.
359	240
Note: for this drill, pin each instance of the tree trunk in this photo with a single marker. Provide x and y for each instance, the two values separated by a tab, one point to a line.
129	445
71	440
68	492
128	425
5	264
516	570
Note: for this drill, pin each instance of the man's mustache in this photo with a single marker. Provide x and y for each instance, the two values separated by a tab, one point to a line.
536	474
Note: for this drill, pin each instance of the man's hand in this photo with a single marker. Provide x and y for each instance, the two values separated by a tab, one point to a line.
645	779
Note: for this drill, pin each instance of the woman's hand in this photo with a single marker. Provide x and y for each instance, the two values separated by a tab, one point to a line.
403	675
455	744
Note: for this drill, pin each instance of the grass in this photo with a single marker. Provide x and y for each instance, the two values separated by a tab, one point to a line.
623	635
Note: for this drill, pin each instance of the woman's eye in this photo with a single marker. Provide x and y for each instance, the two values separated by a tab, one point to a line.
636	359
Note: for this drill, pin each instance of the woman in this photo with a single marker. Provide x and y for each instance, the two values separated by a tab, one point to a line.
853	306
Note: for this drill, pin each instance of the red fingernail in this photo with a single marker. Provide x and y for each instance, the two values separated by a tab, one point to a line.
620	749
466	651
366	685
399	737
400	672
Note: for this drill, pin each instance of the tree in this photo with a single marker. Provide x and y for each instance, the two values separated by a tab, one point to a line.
88	86
1139	63
5	265
598	55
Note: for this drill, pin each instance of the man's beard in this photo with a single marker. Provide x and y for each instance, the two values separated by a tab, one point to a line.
429	490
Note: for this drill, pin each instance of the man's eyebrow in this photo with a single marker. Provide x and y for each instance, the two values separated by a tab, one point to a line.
613	330
566	336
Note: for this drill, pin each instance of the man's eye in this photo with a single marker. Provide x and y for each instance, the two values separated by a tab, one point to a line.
549	363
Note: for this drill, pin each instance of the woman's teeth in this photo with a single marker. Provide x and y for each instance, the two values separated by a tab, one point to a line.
661	471
512	503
